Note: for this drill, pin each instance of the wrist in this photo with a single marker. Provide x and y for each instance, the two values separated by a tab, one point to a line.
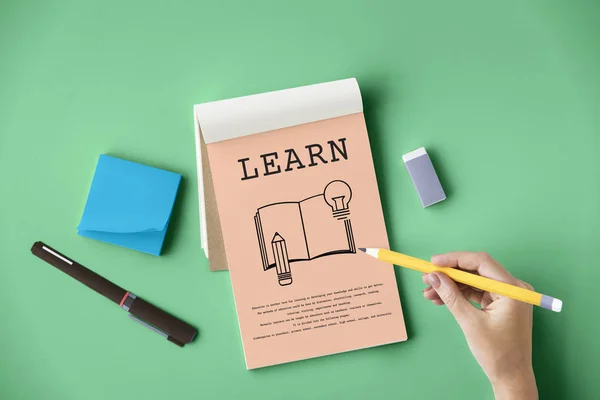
518	385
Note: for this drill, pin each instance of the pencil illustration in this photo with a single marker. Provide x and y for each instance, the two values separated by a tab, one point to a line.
282	262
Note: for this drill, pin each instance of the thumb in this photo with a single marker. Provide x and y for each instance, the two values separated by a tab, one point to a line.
452	296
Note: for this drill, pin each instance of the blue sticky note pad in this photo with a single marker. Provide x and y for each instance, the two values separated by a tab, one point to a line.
129	205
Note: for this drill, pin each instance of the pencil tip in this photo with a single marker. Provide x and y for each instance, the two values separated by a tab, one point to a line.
362	249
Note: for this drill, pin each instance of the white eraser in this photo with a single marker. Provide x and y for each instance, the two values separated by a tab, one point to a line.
423	176
557	305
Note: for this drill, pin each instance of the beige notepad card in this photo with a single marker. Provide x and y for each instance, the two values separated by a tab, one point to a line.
288	193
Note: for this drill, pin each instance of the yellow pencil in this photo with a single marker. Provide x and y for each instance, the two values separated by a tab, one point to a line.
476	281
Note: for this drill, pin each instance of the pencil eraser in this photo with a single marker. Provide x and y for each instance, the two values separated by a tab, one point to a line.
423	176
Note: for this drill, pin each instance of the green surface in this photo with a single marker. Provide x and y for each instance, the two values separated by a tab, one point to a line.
505	95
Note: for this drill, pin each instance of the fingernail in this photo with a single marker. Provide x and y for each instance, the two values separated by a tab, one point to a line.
434	280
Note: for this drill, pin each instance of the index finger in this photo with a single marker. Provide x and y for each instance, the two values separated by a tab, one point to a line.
481	263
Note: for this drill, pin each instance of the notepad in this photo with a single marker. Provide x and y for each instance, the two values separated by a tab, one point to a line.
287	192
129	205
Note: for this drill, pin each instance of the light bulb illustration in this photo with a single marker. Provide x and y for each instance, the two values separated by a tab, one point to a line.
337	195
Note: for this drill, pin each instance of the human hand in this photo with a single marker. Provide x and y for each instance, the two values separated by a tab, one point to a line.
498	334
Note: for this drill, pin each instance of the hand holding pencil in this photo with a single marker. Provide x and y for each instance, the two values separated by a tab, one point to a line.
476	281
500	333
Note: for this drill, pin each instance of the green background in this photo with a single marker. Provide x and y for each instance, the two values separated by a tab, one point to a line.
504	95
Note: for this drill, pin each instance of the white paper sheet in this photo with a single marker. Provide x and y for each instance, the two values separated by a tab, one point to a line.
242	116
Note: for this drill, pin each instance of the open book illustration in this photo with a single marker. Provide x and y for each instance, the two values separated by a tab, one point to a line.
317	226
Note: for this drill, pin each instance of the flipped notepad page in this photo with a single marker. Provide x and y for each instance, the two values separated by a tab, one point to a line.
129	205
288	190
